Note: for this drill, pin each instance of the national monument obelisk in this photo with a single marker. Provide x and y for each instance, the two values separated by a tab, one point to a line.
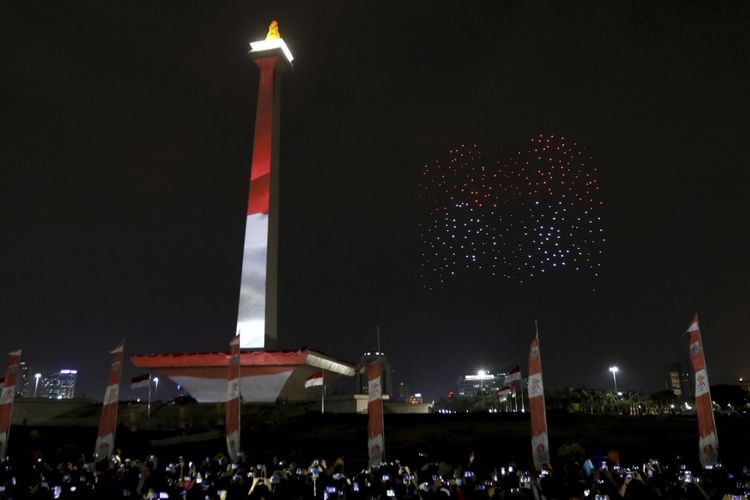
257	321
266	375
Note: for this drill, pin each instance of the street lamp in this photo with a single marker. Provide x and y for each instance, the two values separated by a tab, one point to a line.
156	387
37	376
614	371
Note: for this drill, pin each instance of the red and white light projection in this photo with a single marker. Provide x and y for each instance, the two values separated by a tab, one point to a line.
256	319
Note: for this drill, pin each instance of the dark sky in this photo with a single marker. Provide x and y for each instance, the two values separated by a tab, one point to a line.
126	142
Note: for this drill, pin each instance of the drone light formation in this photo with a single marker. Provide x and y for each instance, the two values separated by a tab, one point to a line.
532	213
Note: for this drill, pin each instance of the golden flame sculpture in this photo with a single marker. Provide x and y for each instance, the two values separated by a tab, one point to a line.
273	30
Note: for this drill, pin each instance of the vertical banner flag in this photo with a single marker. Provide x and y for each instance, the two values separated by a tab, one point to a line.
6	401
232	416
105	438
375	441
539	442
708	443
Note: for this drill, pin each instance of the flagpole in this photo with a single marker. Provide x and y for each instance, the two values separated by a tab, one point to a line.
148	407
323	399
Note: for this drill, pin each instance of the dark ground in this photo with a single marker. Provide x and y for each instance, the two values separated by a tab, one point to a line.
494	438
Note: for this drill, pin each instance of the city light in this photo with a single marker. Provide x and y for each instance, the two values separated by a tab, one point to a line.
37	376
614	371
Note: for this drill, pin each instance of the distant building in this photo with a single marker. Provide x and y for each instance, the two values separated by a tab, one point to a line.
482	381
404	391
416	399
387	372
59	385
680	381
22	380
744	384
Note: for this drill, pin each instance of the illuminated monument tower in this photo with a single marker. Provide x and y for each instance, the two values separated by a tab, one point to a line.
265	375
257	316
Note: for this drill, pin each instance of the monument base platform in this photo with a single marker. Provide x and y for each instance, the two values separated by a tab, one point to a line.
266	376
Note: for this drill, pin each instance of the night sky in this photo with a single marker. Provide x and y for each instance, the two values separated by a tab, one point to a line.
126	141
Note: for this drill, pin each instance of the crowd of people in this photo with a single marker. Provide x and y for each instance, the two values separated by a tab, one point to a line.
573	477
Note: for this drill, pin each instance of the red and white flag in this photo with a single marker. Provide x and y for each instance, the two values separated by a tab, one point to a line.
375	441
539	441
708	442
232	417
141	381
314	380
105	438
514	375
7	397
